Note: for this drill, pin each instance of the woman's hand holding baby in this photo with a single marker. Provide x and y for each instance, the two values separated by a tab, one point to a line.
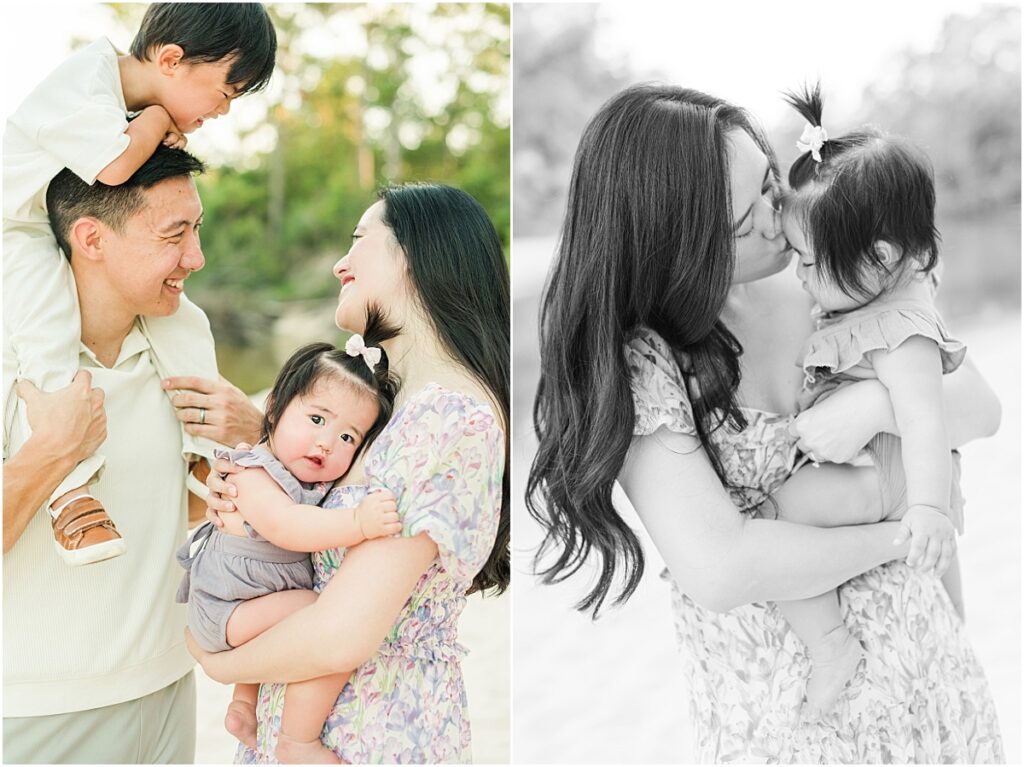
377	515
837	427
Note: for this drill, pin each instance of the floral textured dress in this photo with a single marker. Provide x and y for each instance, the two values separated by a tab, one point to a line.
442	455
918	696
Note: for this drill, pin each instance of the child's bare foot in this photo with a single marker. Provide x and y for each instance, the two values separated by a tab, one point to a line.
293	751
240	721
834	660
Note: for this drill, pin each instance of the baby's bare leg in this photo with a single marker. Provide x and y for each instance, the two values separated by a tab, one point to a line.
833	651
823	496
306	707
255	616
249	619
240	719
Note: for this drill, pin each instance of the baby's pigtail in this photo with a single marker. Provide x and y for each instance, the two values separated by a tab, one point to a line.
814	142
807	102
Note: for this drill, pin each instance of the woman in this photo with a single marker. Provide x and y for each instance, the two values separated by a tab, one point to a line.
670	368
388	611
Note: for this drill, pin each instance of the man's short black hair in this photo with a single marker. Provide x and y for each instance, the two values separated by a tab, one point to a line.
68	198
210	32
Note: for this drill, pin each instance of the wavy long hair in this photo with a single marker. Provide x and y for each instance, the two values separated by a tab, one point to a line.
461	280
647	241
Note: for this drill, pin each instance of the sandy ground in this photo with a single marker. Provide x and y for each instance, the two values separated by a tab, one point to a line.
484	630
611	690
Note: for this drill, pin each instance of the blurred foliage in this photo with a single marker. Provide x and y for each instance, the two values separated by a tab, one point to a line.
559	82
347	122
961	101
363	95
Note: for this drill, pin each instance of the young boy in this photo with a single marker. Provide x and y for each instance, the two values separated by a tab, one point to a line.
187	63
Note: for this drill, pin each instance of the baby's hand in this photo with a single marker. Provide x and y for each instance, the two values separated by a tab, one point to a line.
377	515
932	538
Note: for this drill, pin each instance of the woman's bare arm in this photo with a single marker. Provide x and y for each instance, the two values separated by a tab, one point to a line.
342	629
724	559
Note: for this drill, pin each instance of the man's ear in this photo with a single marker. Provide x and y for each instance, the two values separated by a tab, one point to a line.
888	253
169	57
86	238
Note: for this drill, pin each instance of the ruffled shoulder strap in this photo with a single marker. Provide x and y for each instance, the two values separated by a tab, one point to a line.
844	342
300	492
659	389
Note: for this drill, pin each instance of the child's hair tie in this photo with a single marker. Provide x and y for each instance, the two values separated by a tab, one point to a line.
811	140
355	346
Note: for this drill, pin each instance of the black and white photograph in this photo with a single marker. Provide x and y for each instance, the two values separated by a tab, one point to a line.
256	383
766	391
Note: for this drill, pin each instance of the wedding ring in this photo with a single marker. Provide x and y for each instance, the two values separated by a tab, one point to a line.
202	415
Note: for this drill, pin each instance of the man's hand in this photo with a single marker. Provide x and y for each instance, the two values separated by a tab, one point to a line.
217	410
67	426
72	420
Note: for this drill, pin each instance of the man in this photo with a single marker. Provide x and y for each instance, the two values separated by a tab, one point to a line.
95	666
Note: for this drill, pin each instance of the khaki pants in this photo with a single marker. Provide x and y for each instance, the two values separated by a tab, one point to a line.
159	728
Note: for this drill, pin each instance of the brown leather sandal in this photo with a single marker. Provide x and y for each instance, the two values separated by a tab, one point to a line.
83	533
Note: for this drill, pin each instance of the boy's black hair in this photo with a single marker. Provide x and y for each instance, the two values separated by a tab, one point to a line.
210	32
314	362
68	198
868	187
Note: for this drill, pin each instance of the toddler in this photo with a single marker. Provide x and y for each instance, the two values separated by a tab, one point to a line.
187	63
325	407
860	216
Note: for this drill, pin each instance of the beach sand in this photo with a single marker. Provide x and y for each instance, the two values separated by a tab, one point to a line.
612	691
483	629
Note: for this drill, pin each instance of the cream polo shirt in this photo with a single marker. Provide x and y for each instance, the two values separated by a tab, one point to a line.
77	638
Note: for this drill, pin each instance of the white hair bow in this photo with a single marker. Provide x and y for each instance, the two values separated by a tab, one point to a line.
811	140
355	346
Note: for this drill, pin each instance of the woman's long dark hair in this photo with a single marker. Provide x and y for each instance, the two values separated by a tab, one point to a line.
647	241
459	272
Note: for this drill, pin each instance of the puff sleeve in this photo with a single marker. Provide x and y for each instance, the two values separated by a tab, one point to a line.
660	396
445	464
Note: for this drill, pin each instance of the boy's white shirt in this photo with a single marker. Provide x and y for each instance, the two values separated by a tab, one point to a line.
75	118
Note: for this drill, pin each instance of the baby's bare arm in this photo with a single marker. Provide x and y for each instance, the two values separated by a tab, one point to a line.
300	527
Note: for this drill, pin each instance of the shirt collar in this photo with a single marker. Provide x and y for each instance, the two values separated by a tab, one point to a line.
134	344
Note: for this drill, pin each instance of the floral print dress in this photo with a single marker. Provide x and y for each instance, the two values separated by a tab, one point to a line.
919	696
443	456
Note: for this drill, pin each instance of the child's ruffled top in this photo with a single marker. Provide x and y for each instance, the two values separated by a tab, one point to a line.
843	342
